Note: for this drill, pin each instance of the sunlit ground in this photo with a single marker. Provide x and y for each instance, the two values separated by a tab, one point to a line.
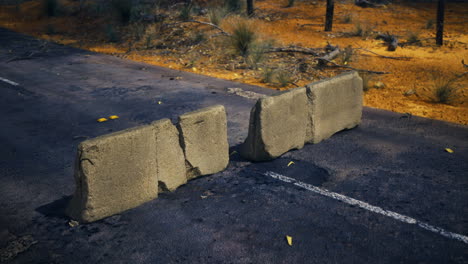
408	88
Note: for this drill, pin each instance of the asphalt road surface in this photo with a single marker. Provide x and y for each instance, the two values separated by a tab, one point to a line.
384	192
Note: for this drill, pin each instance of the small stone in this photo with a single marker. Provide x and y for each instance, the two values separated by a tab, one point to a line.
379	85
409	92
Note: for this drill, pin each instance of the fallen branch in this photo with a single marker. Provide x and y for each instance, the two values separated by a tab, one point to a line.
303	25
30	57
334	52
355	69
365	3
31	54
458	76
383	56
391	40
403	44
203	23
295	49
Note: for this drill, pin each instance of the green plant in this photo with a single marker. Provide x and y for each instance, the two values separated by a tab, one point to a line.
149	42
290	3
347	18
185	13
302	66
267	75
366	80
284	77
257	53
357	29
444	89
255	57
216	15
124	9
111	34
138	30
50	7
430	24
347	55
413	37
362	30
243	38
197	38
193	59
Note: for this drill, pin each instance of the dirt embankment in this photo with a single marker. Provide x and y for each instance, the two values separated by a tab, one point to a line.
407	88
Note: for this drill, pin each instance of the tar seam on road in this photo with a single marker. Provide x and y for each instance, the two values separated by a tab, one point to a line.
8	81
369	207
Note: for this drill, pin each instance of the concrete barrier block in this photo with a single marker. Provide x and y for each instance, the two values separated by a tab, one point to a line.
113	173
334	104
203	136
170	158
277	125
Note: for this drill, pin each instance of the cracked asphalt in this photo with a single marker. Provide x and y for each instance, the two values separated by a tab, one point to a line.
236	216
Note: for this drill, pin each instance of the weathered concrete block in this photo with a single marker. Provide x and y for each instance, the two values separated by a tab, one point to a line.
113	173
277	125
204	140
334	104
170	158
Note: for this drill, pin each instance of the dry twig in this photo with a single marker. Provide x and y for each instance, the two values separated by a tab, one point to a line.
355	69
308	51
383	56
203	23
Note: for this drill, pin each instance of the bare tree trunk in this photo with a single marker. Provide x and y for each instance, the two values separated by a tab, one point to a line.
440	23
329	15
250	7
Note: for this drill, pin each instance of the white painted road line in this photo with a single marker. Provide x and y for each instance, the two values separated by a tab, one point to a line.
366	206
8	81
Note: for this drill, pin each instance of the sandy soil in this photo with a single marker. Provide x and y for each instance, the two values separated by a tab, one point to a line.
408	87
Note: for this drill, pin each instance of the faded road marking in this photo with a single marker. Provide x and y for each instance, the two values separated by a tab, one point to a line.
369	207
8	81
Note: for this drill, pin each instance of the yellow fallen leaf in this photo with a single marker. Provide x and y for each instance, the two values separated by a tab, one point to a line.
113	117
159	102
449	150
102	120
290	163
73	223
194	69
289	239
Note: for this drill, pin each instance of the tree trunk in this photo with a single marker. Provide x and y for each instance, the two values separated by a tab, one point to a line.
250	7
440	23
329	15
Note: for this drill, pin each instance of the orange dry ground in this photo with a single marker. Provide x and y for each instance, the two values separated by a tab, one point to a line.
417	74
